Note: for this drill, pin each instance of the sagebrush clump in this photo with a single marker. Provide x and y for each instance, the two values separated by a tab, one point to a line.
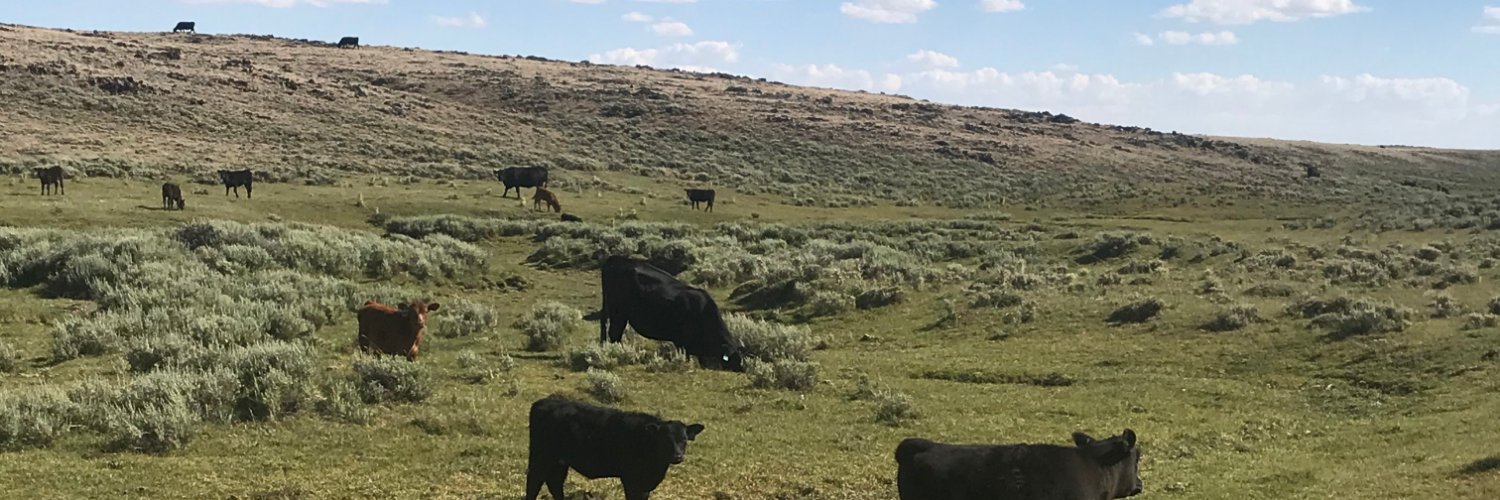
548	325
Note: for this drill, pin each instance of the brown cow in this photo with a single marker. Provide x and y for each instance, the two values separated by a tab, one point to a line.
393	330
544	196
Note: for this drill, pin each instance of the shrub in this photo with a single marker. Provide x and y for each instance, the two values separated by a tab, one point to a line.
1136	312
1271	290
604	386
341	400
1495	306
768	341
1235	318
1363	318
879	297
1475	321
828	303
894	408
548	325
1444	306
784	374
391	379
10	358
1106	246
985	297
464	318
33	417
609	355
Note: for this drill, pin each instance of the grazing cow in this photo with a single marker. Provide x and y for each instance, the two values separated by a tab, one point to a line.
393	330
236	178
521	177
188	26
602	442
51	177
544	196
571	218
171	197
660	307
351	42
701	196
1090	470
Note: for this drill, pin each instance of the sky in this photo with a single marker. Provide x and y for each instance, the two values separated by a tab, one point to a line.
1410	72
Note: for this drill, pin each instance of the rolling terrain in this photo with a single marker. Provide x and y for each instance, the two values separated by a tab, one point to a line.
897	267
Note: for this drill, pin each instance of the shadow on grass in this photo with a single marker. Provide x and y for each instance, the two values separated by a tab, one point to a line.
1481	466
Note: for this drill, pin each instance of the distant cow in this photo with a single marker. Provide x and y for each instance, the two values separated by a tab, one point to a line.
660	307
701	196
602	442
351	42
543	196
188	26
1090	470
233	179
51	177
521	177
571	218
393	330
171	197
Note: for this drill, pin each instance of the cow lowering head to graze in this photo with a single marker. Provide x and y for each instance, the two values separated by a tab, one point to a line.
521	177
351	42
543	196
188	26
660	307
171	197
51	177
393	330
233	179
601	442
1089	470
705	196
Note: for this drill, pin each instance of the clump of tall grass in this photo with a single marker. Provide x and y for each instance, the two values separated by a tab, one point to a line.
604	386
768	341
783	374
1139	311
389	379
548	325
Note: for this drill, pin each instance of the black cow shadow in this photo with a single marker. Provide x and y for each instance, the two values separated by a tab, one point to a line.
156	209
1481	466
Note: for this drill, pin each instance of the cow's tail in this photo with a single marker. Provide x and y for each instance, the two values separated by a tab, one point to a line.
594	316
910	447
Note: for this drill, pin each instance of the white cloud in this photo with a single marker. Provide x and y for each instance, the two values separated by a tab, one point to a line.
1001	5
1207	38
637	17
281	4
704	56
932	59
1489	23
887	11
668	1
1250	11
1144	39
669	27
590	2
472	20
833	76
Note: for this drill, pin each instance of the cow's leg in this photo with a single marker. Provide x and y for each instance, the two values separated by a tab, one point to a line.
248	191
636	488
60	189
226	190
617	329
555	480
710	205
534	481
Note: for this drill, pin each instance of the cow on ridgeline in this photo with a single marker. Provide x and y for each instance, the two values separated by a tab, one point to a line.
705	196
1089	470
188	26
349	42
51	177
543	196
521	177
660	307
393	330
601	442
233	179
171	197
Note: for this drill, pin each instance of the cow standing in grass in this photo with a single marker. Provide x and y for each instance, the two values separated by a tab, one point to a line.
349	42
546	197
600	442
51	177
171	197
521	177
393	330
1089	470
660	307
704	196
233	179
188	26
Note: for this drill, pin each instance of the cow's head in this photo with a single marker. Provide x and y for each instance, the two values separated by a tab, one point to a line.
1119	456
181	204
415	313
668	440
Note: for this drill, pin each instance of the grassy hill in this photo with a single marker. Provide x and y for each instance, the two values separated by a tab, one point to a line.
899	268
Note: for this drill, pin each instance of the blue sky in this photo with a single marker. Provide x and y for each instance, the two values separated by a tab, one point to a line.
1361	71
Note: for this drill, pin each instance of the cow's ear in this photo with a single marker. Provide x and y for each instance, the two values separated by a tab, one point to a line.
694	430
653	427
403	306
432	307
1129	436
1082	439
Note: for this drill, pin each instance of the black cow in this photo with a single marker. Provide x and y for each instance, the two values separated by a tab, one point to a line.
571	218
701	196
188	26
51	177
171	197
1090	470
659	307
351	42
233	179
521	177
602	442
